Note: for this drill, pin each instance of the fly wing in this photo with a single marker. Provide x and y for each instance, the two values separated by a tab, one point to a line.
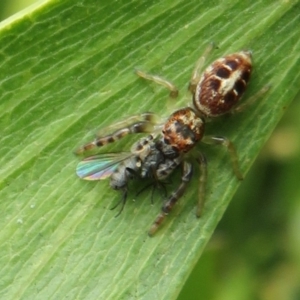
100	166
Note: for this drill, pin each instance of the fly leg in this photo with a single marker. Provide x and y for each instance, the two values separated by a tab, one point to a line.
187	171
122	200
119	181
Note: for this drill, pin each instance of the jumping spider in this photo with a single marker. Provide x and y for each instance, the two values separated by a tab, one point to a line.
216	92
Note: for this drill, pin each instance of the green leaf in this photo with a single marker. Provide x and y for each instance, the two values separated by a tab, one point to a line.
67	71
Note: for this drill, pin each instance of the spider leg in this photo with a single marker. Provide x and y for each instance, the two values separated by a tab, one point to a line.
251	100
215	140
161	81
144	123
196	75
201	159
187	171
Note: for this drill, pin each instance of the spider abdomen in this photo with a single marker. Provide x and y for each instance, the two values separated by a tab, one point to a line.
222	84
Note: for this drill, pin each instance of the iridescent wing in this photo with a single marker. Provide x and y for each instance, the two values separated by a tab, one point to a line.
100	166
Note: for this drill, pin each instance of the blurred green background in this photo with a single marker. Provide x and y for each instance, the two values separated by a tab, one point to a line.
255	251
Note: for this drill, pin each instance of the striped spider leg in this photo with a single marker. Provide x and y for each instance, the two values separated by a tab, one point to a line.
142	123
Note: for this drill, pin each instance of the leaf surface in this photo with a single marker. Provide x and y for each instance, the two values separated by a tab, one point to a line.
66	72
